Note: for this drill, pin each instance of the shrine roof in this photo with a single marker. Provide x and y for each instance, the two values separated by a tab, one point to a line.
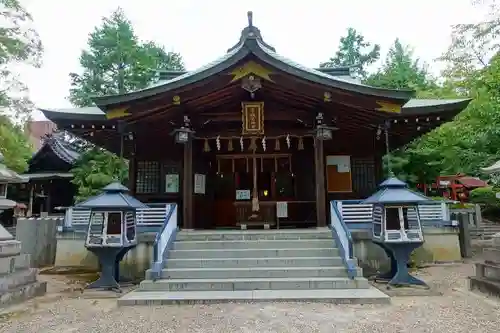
56	144
252	43
413	107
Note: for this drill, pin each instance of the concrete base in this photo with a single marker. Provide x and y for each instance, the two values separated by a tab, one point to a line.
485	286
23	293
339	296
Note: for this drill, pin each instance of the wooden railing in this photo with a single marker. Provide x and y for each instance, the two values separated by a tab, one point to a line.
357	215
298	213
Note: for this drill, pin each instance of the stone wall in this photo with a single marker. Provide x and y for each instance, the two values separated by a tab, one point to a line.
38	239
441	245
71	252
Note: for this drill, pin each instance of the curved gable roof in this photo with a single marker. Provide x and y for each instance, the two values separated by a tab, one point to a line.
252	43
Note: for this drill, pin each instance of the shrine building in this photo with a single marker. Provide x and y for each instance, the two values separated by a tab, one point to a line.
255	125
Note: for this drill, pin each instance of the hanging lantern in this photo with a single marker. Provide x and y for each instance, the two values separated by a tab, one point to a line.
301	144
230	145
324	132
264	143
277	144
242	146
206	146
217	142
288	143
184	133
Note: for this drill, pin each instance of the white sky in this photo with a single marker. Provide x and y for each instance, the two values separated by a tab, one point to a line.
305	31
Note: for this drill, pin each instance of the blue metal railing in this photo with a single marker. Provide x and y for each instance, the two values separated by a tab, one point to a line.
343	238
163	241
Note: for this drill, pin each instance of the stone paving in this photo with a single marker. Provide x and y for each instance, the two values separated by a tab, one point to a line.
456	311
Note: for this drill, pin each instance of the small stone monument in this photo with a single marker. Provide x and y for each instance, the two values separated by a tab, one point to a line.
487	278
18	281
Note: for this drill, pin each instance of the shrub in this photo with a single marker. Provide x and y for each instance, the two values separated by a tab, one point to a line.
485	196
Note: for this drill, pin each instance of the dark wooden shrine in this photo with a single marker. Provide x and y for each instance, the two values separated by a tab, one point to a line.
254	132
48	186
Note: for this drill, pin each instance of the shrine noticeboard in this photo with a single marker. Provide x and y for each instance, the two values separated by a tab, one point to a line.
252	118
338	174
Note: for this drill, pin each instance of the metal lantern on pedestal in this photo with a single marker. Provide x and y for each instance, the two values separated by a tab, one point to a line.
112	231
397	228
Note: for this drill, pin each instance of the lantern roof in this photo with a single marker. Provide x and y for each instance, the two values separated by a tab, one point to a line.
114	196
395	191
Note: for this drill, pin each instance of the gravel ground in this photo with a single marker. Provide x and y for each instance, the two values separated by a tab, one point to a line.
456	311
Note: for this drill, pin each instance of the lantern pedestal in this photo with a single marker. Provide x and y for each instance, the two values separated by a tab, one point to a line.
399	275
118	259
109	260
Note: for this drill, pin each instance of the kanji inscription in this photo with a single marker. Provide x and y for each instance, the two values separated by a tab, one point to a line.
252	118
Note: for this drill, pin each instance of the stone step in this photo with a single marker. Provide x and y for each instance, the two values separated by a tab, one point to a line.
11	264
337	296
320	233
253	244
253	284
488	271
255	262
484	285
492	256
254	272
254	253
17	279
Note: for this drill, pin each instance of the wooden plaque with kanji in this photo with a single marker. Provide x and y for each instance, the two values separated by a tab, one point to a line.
252	118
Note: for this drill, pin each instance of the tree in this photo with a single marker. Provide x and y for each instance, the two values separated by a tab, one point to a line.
95	169
14	145
19	43
117	62
354	51
402	70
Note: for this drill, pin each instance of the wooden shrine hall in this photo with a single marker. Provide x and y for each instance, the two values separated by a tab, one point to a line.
254	137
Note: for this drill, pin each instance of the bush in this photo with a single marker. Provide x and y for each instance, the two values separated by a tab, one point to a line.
485	196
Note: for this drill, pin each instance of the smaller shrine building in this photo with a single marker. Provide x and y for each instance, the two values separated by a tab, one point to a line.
254	123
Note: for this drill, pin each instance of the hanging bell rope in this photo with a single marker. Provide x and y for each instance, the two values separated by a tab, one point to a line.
230	145
277	144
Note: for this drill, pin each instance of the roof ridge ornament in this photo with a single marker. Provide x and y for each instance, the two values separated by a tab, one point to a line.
251	32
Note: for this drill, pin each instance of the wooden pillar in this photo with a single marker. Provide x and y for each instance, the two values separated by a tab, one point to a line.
319	170
132	175
187	186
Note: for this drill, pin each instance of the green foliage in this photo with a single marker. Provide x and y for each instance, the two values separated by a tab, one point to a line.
354	51
401	70
485	196
14	145
19	43
117	62
95	169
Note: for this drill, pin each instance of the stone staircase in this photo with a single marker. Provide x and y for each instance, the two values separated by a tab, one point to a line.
248	265
485	231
